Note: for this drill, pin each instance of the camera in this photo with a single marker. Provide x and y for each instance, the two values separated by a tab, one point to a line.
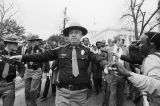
134	52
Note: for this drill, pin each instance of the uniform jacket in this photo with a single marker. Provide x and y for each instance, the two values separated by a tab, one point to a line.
64	57
34	65
18	66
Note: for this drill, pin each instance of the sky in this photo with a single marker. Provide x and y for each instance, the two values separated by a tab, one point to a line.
45	17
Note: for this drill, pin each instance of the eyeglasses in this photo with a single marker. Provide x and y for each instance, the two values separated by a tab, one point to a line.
153	36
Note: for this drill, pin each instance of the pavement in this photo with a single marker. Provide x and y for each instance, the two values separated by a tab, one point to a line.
94	100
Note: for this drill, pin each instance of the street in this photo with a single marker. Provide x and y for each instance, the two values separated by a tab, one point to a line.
95	100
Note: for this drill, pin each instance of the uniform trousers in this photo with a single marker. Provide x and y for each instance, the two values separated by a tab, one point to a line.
31	91
7	92
65	97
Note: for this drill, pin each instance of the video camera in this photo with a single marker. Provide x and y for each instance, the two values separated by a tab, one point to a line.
134	52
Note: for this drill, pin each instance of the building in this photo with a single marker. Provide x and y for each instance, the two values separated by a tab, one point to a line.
110	33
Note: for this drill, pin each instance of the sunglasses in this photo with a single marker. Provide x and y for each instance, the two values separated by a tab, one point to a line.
153	36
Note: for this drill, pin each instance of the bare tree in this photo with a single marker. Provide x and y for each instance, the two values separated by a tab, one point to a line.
139	18
7	11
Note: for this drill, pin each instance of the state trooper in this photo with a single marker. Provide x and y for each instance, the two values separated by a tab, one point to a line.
73	62
8	70
33	72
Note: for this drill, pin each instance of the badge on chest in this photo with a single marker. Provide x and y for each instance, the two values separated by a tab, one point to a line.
82	52
31	63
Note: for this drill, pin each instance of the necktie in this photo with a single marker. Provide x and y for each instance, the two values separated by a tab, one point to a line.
5	70
99	51
31	62
32	50
116	58
23	50
75	70
117	50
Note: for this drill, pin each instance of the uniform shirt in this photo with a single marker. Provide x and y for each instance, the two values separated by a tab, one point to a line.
149	82
34	65
34	69
12	68
64	57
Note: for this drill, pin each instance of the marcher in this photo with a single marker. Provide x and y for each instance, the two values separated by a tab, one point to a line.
97	71
8	71
73	64
23	47
86	42
116	85
149	82
33	73
50	71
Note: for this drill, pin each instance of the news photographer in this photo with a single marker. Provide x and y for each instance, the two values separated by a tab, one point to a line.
149	81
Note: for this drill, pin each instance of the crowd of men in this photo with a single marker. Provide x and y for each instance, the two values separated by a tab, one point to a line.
75	67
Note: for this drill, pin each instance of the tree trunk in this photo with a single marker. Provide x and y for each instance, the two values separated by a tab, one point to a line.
136	31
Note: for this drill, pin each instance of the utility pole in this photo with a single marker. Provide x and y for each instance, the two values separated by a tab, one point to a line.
65	18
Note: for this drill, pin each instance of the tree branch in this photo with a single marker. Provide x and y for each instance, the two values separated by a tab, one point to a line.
143	18
9	8
139	8
132	10
150	18
126	15
153	27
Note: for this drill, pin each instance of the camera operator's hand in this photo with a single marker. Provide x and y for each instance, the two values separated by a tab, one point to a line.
122	70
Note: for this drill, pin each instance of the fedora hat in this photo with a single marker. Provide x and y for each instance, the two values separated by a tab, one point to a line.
75	26
34	38
11	39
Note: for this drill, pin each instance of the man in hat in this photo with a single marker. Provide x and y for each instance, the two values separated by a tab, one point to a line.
149	82
33	72
73	62
8	71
